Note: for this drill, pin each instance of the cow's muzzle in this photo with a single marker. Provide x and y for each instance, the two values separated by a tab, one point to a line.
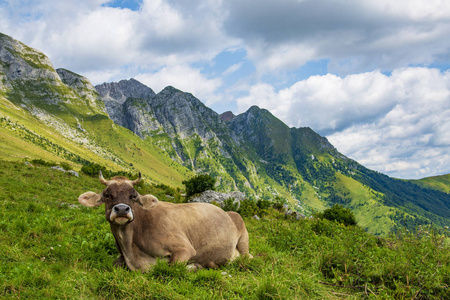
121	214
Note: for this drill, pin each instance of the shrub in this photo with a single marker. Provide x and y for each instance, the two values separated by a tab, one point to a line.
339	214
230	204
278	203
65	166
263	204
248	208
199	184
92	169
42	162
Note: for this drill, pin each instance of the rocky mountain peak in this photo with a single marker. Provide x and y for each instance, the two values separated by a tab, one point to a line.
169	90
120	91
19	61
115	94
227	116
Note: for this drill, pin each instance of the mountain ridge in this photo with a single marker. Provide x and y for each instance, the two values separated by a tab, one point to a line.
172	135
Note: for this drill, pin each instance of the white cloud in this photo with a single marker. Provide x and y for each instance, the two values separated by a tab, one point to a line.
185	78
396	124
356	36
85	36
273	59
230	70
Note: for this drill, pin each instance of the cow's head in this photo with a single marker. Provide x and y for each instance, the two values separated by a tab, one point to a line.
120	198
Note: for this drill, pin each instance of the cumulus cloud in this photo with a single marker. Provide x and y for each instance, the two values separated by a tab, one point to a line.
356	36
184	78
85	35
396	124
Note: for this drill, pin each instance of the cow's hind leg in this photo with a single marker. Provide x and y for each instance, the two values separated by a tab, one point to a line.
242	246
243	243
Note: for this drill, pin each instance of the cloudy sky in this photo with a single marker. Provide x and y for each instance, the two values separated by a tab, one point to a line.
373	76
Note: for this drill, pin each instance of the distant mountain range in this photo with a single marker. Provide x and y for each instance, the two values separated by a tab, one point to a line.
58	115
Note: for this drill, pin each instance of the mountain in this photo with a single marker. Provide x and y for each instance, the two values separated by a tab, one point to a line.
58	115
260	155
169	136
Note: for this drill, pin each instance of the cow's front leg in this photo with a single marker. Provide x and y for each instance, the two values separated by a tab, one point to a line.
182	254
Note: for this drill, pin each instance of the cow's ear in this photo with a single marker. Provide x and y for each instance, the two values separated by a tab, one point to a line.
148	201
91	199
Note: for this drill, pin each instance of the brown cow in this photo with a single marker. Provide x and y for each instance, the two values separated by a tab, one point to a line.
146	229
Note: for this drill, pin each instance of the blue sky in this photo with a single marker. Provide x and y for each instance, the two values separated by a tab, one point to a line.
372	76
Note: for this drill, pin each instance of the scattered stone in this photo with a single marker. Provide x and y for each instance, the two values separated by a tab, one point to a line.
296	215
71	172
74	173
70	205
256	217
225	274
58	168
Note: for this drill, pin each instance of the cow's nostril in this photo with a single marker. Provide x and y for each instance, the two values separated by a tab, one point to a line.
121	209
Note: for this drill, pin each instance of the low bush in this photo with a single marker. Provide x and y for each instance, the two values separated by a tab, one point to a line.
199	184
93	170
338	214
230	204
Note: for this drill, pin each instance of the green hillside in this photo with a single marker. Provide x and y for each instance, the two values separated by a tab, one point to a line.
441	183
54	248
59	116
108	145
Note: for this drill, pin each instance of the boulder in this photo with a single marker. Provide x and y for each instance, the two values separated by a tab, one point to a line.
217	197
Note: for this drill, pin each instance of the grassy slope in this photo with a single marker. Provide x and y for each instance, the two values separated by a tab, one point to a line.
441	183
137	154
52	250
366	205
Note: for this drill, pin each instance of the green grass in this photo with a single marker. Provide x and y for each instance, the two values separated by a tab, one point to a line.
367	205
441	183
53	250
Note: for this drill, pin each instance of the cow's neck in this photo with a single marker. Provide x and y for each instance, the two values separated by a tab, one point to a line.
124	239
133	256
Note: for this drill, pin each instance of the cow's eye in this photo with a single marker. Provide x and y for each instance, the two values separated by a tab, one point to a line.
107	196
133	197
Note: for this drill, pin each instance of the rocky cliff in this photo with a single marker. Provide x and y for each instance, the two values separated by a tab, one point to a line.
115	95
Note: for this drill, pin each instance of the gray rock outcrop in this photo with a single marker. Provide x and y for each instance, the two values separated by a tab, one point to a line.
213	196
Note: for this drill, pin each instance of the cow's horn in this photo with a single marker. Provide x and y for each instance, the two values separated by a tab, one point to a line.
134	182
102	180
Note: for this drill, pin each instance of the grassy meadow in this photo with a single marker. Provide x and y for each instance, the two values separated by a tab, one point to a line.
53	248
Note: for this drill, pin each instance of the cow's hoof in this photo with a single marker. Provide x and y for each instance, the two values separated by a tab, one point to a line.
193	267
120	262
